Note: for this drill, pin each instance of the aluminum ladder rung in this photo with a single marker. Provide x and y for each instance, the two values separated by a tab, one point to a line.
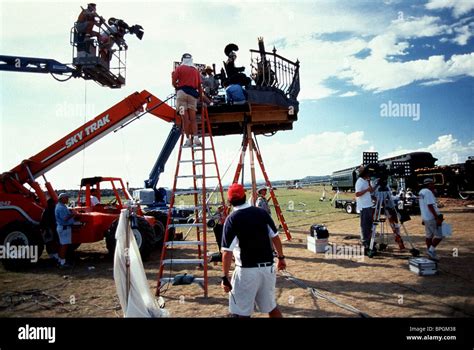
183	243
189	176
185	225
190	160
183	262
199	148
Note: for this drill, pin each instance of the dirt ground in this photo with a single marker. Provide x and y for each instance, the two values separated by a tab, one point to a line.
380	287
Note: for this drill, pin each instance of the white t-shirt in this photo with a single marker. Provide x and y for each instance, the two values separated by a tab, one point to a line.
94	200
426	198
364	201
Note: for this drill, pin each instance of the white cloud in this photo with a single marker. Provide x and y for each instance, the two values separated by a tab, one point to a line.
349	94
463	34
377	74
308	157
322	60
446	148
392	42
386	45
380	71
436	82
416	27
459	7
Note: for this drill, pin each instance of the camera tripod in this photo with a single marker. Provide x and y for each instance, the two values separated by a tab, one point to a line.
383	200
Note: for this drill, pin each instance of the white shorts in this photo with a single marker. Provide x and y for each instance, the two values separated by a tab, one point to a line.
65	236
250	287
432	229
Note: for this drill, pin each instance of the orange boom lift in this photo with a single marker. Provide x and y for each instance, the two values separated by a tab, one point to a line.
23	200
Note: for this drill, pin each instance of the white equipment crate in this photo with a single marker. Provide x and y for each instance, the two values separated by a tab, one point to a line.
317	245
423	266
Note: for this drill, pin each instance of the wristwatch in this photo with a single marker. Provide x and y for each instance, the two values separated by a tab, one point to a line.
281	257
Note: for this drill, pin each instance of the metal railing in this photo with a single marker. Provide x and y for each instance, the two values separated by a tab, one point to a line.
272	70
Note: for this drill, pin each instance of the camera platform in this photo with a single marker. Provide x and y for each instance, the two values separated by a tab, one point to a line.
268	110
97	69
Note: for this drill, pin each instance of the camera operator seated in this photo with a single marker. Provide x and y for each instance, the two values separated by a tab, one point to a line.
235	94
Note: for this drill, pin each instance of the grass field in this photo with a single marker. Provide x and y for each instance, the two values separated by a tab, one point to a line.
303	207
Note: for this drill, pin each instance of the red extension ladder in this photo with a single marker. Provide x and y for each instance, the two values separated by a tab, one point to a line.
200	175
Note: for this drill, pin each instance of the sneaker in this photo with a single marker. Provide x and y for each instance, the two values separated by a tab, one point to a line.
197	142
215	257
432	255
64	266
187	143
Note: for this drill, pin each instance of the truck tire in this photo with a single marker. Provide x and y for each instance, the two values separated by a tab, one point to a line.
144	236
349	207
159	229
163	218
21	234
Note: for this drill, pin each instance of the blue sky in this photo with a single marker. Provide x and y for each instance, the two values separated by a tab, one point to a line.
355	57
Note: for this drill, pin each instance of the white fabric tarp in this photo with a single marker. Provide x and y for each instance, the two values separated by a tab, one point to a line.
140	302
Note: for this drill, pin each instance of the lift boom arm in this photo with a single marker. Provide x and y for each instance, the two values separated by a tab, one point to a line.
34	65
159	167
122	113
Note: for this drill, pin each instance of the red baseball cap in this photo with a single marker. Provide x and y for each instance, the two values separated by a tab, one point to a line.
236	191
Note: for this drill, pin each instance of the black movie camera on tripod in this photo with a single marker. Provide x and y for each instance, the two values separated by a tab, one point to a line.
384	203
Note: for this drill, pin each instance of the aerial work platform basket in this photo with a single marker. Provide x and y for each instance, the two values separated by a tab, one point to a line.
106	67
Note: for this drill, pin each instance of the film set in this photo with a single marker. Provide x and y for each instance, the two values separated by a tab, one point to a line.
228	160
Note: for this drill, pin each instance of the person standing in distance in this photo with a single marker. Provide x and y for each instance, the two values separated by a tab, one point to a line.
262	201
249	236
64	221
363	190
432	218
